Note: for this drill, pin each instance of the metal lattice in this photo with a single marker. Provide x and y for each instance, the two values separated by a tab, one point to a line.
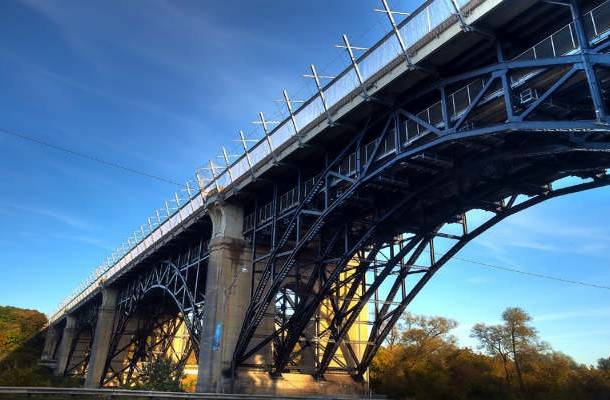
354	235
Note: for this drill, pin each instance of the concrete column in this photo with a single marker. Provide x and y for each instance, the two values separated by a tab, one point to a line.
227	296
63	352
101	338
50	343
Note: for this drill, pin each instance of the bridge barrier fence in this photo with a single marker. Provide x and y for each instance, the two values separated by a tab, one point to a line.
51	393
415	27
428	17
562	42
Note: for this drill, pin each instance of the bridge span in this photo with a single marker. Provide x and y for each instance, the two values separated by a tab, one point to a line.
284	270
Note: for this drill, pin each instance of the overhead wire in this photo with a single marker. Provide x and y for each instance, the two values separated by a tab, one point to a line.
166	180
87	156
532	274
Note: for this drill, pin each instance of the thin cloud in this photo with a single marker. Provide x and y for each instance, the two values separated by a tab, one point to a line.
573	314
58	216
541	232
93	241
581	334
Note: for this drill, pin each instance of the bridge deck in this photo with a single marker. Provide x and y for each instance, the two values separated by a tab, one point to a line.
445	46
384	70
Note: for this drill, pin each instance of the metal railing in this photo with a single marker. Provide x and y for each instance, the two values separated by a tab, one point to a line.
560	43
394	45
174	212
410	31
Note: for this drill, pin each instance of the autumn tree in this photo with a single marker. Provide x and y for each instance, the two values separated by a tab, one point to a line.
492	340
426	363
511	340
603	364
521	337
161	374
17	326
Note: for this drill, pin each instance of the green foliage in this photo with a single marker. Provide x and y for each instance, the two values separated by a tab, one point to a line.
21	343
421	361
162	374
604	364
17	326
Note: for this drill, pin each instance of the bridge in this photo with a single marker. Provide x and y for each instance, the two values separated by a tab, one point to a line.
282	271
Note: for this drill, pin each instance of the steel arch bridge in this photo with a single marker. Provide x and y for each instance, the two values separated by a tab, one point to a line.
303	265
406	174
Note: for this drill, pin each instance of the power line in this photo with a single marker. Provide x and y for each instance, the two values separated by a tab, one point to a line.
87	156
142	173
533	274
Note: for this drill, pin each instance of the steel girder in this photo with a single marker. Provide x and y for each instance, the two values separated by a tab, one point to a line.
159	301
154	336
308	242
402	267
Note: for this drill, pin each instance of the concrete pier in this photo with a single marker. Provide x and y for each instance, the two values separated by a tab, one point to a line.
101	339
227	296
63	352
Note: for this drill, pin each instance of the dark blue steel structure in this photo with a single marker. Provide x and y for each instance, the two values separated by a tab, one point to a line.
407	175
353	220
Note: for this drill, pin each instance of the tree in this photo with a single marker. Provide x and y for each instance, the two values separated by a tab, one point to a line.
492	340
394	335
161	374
510	341
426	335
520	336
427	364
18	325
603	364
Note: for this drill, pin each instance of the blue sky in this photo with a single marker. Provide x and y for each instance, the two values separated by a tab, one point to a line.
159	86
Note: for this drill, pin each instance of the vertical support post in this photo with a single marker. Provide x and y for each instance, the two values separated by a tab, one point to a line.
316	78
214	178
242	139
460	15
403	48
101	338
506	87
274	215
445	108
293	119
350	52
63	352
265	124
585	50
227	163
50	343
227	296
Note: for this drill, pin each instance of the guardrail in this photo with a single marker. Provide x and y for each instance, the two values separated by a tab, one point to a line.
430	15
151	233
80	393
394	45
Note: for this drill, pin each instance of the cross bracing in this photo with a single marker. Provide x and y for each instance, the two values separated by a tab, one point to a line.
490	111
415	28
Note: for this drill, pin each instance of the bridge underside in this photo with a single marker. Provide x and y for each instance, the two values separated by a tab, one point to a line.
361	227
292	285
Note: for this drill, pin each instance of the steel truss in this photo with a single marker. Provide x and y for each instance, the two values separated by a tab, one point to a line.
337	239
80	348
153	308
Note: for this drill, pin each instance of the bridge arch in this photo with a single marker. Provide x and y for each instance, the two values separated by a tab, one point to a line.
159	312
413	169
